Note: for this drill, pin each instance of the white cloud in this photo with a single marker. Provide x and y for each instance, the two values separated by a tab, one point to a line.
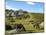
9	7
30	3
31	0
16	9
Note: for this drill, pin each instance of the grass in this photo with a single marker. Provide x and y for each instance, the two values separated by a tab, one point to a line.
25	22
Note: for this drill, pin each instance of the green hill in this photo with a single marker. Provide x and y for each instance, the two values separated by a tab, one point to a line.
26	20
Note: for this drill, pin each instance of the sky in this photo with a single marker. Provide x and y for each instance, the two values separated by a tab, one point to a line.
35	7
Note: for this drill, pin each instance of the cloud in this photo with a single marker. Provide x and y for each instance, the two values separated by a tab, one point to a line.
30	3
9	7
16	9
31	0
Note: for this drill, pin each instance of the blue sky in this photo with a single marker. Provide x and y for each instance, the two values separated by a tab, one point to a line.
35	7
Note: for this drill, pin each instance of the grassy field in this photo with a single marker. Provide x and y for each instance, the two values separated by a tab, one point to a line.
26	22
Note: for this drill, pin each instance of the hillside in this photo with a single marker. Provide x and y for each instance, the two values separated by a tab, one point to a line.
26	20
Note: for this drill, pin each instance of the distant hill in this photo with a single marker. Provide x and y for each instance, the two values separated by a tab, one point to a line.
39	16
